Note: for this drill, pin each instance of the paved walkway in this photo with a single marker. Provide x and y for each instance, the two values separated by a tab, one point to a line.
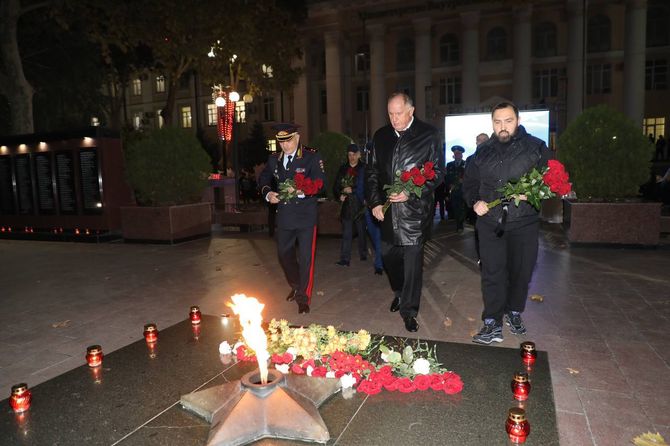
603	320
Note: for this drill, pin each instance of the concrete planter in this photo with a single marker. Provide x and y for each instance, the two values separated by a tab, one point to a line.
166	224
634	223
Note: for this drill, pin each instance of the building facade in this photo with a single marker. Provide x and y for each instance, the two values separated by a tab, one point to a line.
454	57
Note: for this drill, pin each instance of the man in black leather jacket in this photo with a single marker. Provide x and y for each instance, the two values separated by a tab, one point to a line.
400	146
507	234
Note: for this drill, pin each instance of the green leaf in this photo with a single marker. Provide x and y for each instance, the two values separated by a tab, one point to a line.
408	355
393	357
384	349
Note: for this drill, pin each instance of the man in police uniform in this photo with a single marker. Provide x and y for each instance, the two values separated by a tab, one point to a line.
297	217
454	180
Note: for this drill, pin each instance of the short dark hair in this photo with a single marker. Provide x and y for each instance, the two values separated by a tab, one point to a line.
505	104
405	97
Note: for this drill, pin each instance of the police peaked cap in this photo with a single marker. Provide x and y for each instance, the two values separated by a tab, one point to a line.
285	131
457	149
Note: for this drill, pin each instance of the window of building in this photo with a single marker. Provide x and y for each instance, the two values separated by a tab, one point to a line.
657	25
496	43
137	120
656	75
160	84
450	91
272	145
323	102
544	40
186	118
598	33
362	59
269	108
159	118
362	99
137	87
653	126
212	115
240	112
545	83
599	79
404	54
449	51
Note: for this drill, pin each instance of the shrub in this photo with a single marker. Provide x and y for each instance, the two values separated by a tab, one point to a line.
168	166
332	147
606	154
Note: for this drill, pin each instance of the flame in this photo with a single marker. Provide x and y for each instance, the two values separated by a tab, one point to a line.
249	310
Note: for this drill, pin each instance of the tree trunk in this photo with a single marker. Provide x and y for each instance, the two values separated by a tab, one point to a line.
168	110
13	83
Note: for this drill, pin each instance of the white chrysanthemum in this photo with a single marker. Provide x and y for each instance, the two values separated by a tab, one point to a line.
293	351
283	368
309	370
421	366
224	348
347	381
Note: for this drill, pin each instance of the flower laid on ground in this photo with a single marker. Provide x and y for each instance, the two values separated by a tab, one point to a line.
225	348
299	186
536	186
410	181
326	352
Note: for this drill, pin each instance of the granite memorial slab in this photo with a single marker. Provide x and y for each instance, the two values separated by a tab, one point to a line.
134	398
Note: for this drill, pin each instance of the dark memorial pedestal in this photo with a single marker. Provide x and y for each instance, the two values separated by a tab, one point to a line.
133	399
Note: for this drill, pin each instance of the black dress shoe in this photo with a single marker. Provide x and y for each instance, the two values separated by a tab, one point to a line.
395	305
291	295
342	263
379	271
410	323
304	308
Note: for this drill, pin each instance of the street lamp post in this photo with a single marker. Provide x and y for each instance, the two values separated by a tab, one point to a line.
220	103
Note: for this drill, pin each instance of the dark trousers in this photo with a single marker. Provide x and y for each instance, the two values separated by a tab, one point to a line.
298	264
442	204
507	266
404	268
348	234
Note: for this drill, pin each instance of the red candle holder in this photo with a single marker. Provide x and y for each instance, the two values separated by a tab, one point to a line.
96	374
517	426
195	329
151	333
520	386
153	350
528	353
21	398
94	356
195	315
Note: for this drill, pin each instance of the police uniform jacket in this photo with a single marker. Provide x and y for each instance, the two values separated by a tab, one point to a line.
405	223
495	163
296	213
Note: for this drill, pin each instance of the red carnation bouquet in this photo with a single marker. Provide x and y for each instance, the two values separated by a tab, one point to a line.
537	186
410	181
299	186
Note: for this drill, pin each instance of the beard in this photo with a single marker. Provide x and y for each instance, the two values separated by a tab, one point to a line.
504	136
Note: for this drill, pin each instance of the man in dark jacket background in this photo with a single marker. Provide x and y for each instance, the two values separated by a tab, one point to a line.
406	143
508	235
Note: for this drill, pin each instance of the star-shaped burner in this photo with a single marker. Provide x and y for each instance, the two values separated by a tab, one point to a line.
244	411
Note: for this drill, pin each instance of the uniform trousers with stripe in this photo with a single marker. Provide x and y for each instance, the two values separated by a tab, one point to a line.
404	268
295	249
507	265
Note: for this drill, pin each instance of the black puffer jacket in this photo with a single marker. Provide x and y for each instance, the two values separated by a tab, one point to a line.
405	223
494	164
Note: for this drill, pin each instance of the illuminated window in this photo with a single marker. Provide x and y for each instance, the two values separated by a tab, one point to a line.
137	87
212	115
272	145
137	120
160	84
240	112
159	119
186	121
653	126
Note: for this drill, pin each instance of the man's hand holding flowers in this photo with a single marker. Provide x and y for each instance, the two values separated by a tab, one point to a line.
299	186
408	182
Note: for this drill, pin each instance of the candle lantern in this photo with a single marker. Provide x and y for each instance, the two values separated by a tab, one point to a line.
21	398
517	426
153	350
150	333
528	353
195	315
94	356
195	329
520	386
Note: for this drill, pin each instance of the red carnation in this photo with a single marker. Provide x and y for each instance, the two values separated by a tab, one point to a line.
414	171
436	382
428	165
295	368
405	176
453	385
405	385
391	385
288	358
422	382
429	174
